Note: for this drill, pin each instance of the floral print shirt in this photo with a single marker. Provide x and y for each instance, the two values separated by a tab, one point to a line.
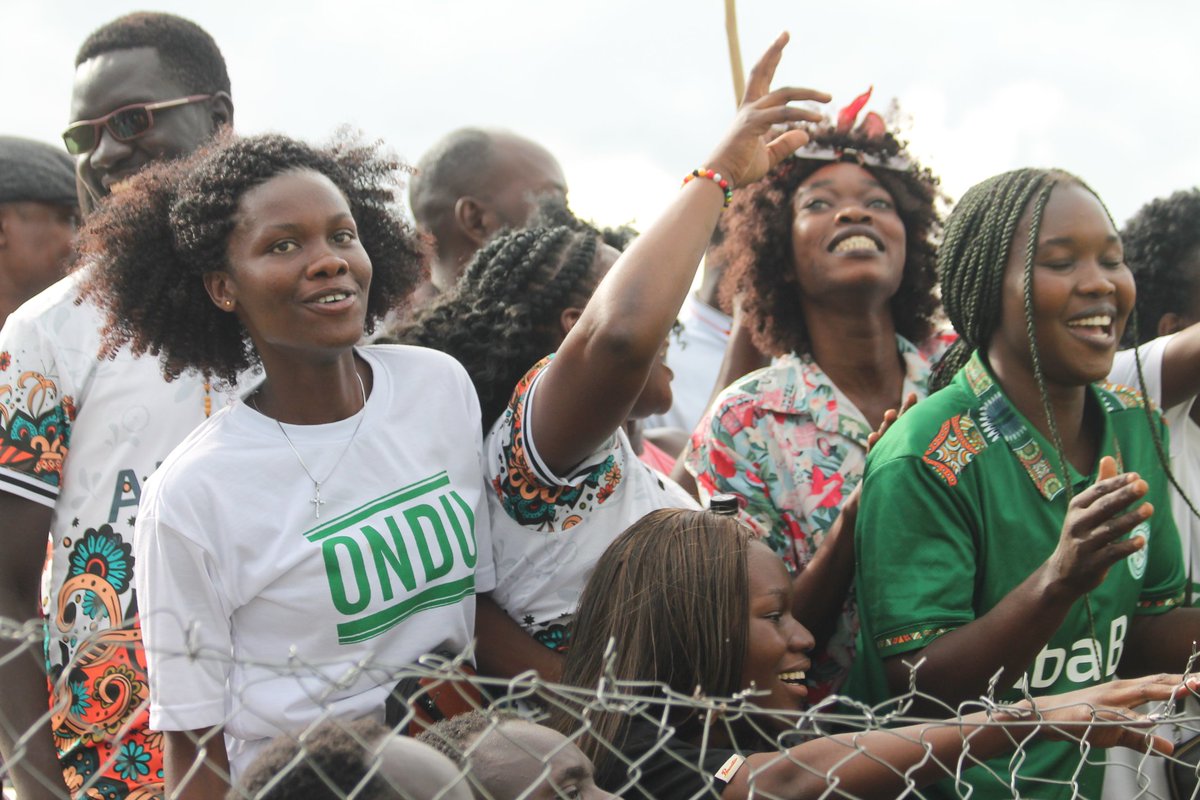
792	447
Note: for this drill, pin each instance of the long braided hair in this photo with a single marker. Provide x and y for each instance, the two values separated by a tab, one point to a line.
971	263
503	315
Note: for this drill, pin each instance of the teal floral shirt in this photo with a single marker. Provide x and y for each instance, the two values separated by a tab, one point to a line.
792	447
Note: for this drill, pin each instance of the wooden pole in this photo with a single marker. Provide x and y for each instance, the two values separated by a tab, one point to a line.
735	52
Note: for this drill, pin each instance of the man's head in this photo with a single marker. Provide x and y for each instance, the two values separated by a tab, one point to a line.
139	59
38	212
508	757
473	183
337	758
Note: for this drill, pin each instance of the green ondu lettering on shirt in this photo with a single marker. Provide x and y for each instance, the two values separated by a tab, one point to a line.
330	548
410	550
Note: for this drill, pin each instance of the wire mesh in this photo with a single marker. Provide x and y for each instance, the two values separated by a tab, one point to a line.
678	736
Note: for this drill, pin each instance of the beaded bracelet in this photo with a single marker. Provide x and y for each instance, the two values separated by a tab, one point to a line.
716	178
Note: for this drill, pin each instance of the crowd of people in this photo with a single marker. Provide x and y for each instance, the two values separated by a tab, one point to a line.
265	442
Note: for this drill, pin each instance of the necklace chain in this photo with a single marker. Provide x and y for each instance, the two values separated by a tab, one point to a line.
316	500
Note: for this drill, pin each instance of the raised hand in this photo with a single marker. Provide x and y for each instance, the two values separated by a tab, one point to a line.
1096	520
1089	714
749	150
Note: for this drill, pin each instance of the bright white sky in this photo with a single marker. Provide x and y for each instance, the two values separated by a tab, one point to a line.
631	94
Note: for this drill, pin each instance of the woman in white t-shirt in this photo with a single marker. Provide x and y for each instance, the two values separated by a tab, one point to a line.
303	544
565	480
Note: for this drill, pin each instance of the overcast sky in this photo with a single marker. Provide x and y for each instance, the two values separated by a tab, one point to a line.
631	94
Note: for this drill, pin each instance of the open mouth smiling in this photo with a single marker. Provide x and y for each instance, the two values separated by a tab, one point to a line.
856	241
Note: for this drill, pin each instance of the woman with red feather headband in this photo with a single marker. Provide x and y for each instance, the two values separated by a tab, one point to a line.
831	261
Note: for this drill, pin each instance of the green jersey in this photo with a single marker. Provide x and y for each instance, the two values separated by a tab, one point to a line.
962	501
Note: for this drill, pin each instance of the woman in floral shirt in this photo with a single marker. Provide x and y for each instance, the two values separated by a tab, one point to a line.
832	259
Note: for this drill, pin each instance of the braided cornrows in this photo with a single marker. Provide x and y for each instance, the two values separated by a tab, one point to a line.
503	315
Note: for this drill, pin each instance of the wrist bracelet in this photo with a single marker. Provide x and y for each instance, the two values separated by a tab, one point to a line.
716	178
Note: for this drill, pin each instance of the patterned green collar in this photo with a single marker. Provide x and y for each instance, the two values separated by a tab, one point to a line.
999	419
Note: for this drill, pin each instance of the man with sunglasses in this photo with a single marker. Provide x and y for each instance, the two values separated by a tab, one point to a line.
79	437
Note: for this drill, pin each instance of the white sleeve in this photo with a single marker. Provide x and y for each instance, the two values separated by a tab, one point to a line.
186	627
1124	368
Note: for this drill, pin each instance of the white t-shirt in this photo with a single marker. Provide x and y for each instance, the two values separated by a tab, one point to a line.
695	358
548	531
1185	442
81	435
290	617
1122	779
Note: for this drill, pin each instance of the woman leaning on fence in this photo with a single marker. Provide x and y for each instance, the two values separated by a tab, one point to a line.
307	541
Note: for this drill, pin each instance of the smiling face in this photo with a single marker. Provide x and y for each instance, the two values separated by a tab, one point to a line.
776	644
521	759
121	77
1082	292
846	235
298	275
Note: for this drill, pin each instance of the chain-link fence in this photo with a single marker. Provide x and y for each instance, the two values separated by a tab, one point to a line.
666	745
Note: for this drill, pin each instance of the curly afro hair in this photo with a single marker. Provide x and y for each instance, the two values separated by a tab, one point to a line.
147	249
1161	242
503	314
757	243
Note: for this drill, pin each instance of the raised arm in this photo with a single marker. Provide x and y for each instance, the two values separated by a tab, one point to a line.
604	361
1181	367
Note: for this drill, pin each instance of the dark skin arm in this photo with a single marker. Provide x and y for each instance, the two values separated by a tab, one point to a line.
959	665
1181	362
181	752
1160	639
603	363
24	701
876	763
505	650
819	590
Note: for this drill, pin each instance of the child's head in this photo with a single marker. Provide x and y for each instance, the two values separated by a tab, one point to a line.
339	758
508	757
156	245
514	305
786	236
715	603
1033	276
1162	247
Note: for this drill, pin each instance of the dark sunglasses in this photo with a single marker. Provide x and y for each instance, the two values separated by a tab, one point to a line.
125	124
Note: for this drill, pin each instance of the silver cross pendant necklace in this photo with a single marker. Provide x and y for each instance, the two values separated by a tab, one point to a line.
316	500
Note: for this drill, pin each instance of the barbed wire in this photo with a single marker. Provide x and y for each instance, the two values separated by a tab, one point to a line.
679	735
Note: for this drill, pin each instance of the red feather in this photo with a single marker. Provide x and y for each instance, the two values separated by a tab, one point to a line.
847	116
